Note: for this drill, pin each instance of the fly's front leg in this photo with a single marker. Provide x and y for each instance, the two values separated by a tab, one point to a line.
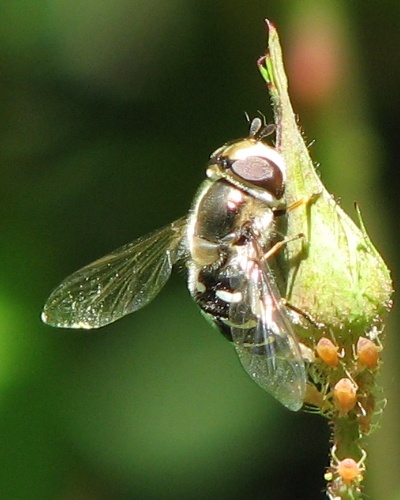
305	200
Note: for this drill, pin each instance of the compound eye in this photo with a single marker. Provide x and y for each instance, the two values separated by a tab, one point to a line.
261	172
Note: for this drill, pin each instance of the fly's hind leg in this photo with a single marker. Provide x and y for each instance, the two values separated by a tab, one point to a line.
302	313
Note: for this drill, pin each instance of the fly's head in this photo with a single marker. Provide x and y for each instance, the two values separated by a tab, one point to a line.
252	165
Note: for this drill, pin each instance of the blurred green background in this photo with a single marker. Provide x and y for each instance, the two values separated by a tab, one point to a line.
108	112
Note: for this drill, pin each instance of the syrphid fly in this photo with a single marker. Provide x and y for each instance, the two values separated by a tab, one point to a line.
226	242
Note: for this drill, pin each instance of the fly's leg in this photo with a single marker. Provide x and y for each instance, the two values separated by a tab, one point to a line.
302	313
305	200
280	244
272	251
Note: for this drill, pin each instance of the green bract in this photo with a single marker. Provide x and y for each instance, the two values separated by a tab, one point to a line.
336	275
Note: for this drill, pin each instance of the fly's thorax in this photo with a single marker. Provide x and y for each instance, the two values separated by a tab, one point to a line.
221	218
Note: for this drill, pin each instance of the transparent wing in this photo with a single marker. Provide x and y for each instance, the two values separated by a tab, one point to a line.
117	284
263	336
